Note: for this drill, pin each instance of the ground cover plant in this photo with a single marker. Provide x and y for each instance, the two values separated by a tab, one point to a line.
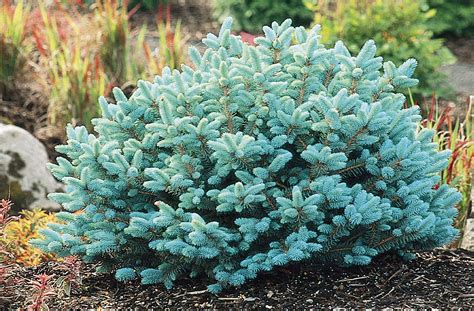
7	281
18	233
256	157
16	254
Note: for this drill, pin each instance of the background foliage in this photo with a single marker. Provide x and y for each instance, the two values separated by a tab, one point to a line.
14	47
77	54
453	17
398	28
252	15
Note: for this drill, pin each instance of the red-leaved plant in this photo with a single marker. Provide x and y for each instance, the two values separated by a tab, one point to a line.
42	292
456	135
73	279
7	280
5	218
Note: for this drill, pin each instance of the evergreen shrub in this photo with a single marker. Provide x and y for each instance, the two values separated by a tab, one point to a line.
453	17
255	157
400	30
252	15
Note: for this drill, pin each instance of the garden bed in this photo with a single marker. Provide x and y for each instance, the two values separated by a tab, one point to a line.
442	278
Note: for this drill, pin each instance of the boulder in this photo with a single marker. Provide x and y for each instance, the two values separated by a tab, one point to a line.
24	177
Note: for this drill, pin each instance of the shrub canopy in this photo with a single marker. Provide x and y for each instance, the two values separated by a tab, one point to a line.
256	157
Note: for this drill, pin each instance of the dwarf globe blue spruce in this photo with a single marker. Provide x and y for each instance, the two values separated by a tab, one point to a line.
255	157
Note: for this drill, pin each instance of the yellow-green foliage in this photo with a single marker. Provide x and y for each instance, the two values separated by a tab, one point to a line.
398	28
116	50
453	17
14	46
18	232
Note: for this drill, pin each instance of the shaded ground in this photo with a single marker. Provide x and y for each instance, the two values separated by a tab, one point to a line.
461	77
438	279
461	74
196	21
463	48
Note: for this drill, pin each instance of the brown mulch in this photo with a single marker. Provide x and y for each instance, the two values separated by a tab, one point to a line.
441	278
195	16
27	107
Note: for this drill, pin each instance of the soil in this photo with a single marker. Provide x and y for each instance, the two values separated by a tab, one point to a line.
195	16
27	107
438	279
462	48
461	74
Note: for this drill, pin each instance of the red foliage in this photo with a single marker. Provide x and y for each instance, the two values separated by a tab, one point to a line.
42	292
248	37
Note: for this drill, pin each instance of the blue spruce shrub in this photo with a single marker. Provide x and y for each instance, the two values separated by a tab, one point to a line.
254	157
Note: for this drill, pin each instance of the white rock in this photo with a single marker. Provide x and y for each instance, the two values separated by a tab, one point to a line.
23	172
